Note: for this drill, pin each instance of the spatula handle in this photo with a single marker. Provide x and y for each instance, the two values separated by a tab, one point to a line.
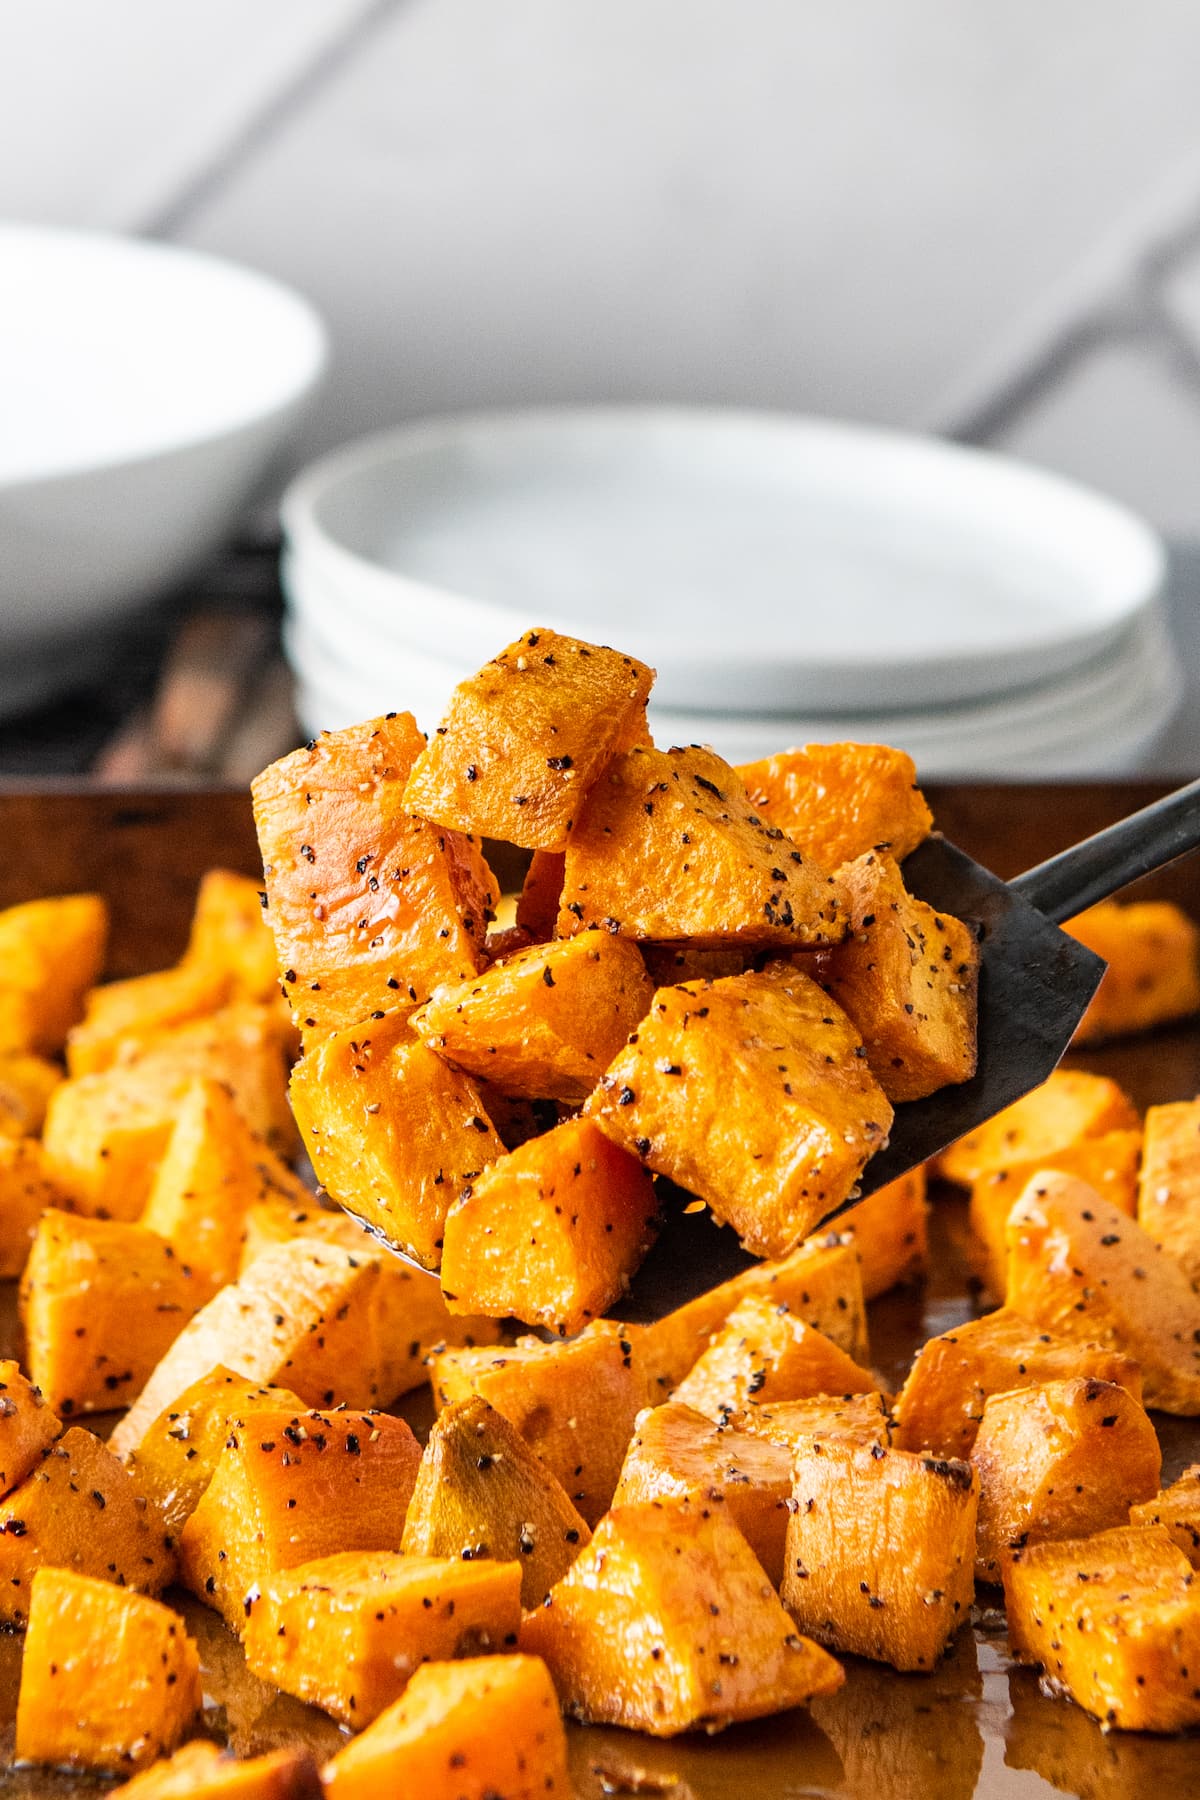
1150	839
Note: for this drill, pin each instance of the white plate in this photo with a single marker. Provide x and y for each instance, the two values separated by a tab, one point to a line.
762	563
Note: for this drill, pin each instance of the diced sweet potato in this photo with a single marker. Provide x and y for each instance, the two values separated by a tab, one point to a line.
364	899
122	1010
200	1771
462	1731
347	1632
79	1509
51	952
271	1222
1152	950
1114	1620
1070	1105
27	1426
751	1093
545	1022
551	1233
1060	1460
880	1550
26	1085
806	1425
1177	1508
888	1233
838	800
763	1353
1168	1197
27	1188
109	1680
1078	1266
483	1492
667	1623
537	903
940	1405
524	740
669	847
246	1046
230	934
394	1133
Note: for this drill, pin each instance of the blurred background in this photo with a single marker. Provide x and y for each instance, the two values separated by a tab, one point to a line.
977	222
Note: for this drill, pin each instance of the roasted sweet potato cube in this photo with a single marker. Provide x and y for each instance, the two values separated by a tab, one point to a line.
230	934
1168	1196
1060	1460
486	1725
907	977
347	1632
290	1487
483	1492
677	1453
545	1022
200	1771
110	1680
364	900
525	739
27	1426
537	903
102	1302
888	1233
1152	950
838	800
667	1623
880	1550
1177	1508
552	1232
79	1509
51	952
26	1085
574	1403
394	1133
244	1045
123	1010
941	1404
1115	1621
27	1188
1078	1266
670	848
763	1353
751	1093
271	1222
806	1425
1072	1104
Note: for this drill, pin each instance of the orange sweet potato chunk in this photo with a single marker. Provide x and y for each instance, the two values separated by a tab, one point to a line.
1072	1104
27	1426
888	1233
669	847
1152	950
1168	1195
526	737
751	1093
764	1354
121	1010
51	952
365	900
27	1188
838	800
27	1083
230	933
537	903
200	1771
806	1425
1108	1163
1177	1509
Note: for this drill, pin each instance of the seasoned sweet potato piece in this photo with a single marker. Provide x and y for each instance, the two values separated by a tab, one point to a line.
462	1731
1115	1621
677	1453
1177	1508
1168	1196
109	1680
888	1233
27	1188
394	1133
524	740
79	1509
482	1492
1108	1163
880	1550
27	1426
1060	1460
806	1425
537	903
26	1085
1078	1266
51	952
1152	950
667	1623
347	1632
751	1093
121	1010
230	934
838	800
1070	1105
940	1405
669	848
364	899
200	1771
545	1022
552	1232
271	1222
573	1403
764	1353
289	1487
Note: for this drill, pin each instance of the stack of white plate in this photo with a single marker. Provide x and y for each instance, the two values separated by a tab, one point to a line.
792	580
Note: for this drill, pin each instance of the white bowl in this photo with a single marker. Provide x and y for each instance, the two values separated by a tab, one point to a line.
145	390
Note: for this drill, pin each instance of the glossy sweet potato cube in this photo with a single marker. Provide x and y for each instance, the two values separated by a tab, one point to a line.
200	1771
347	1632
537	903
764	1354
751	1093
27	1083
1078	1266
79	1509
941	1404
1115	1621
1168	1196
677	1453
1152	950
102	1302
271	1222
806	1425
880	1550
1177	1508
839	800
462	1731
289	1487
667	1623
51	952
124	1010
230	933
551	1233
27	1188
1060	1460
574	1403
394	1133
364	900
1108	1163
525	739
670	848
888	1233
27	1426
1070	1105
109	1681
545	1022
